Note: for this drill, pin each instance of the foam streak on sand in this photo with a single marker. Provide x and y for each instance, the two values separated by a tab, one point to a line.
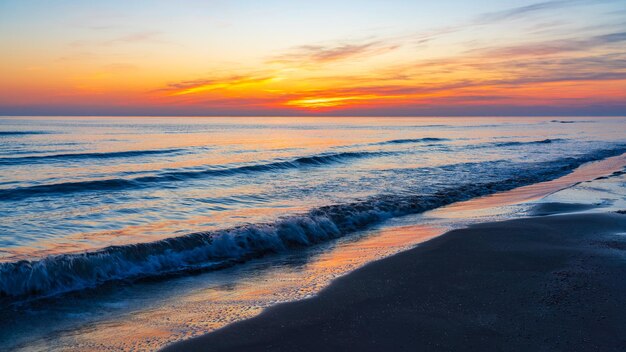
535	191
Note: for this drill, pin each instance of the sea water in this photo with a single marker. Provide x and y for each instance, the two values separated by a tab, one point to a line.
93	208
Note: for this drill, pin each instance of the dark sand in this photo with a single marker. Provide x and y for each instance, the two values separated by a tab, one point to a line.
553	283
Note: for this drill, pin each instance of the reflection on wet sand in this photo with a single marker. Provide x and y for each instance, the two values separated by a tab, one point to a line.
194	305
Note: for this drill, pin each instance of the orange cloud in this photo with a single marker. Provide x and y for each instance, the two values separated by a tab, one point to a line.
199	86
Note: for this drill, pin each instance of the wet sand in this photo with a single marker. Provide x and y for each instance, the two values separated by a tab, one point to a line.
549	283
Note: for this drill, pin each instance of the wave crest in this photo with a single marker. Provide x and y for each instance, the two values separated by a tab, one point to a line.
216	249
543	141
414	140
80	156
172	176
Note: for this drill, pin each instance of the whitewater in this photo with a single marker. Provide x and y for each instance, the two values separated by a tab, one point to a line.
73	179
89	205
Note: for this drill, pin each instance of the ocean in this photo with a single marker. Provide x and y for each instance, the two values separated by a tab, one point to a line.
111	222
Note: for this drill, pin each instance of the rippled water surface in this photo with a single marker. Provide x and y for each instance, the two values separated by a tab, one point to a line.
87	202
75	185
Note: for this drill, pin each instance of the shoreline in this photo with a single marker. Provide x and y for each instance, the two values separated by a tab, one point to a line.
538	283
200	306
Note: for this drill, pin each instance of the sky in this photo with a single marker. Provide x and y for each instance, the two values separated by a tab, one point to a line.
340	57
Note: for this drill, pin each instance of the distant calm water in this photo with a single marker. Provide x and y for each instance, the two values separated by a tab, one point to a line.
86	201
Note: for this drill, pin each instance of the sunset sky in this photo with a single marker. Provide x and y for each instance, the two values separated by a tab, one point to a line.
276	57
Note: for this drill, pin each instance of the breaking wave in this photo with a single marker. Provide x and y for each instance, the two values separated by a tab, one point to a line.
215	249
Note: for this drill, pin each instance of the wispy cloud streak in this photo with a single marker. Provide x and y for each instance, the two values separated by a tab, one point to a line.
529	10
320	54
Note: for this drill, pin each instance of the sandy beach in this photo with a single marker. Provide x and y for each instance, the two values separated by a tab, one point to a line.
544	283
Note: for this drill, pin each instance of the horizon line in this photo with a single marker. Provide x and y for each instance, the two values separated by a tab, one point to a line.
311	115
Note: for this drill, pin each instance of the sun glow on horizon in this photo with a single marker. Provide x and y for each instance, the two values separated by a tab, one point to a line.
326	102
502	58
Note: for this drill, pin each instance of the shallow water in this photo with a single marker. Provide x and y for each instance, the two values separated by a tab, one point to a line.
243	187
